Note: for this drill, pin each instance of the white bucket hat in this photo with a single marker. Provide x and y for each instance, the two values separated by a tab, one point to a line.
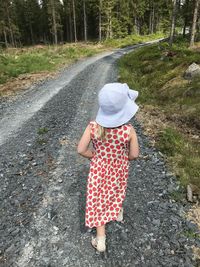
116	105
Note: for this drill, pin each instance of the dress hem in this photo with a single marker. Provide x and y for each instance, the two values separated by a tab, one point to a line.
113	219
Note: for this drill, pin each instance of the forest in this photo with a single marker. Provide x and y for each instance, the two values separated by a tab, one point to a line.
29	22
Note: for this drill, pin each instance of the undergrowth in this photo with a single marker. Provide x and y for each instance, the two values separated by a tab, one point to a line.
157	72
34	59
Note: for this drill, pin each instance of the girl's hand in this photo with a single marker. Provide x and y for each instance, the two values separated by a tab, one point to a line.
93	154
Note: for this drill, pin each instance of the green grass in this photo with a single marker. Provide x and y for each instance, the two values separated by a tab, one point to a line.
132	39
177	195
42	130
159	80
191	234
14	62
183	154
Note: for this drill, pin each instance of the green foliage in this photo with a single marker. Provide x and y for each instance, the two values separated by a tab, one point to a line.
184	155
152	70
191	234
25	22
170	142
131	40
157	72
48	58
177	195
42	130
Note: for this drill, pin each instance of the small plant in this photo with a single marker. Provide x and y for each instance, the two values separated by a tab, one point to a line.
177	195
42	130
41	141
191	234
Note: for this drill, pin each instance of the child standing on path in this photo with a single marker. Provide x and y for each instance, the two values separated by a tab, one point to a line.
114	145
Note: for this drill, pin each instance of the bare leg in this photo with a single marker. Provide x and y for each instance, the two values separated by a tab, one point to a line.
101	231
99	241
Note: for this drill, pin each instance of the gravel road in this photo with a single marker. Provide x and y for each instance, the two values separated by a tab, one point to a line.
43	182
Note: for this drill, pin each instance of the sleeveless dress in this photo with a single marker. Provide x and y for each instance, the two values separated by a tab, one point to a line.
107	179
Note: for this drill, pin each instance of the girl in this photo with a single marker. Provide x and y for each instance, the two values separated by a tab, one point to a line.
114	145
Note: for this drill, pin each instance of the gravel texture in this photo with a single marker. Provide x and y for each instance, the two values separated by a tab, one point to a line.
43	183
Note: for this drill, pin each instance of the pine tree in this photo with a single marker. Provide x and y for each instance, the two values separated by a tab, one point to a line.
54	8
74	20
53	21
100	20
194	22
85	21
173	22
8	27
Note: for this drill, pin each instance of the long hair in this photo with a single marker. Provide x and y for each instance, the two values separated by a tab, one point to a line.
101	132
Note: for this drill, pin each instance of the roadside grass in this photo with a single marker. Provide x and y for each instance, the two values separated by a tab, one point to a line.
177	195
39	58
182	153
132	40
14	62
191	234
157	72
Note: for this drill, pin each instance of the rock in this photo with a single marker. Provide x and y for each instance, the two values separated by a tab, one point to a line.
189	193
156	222
192	71
10	249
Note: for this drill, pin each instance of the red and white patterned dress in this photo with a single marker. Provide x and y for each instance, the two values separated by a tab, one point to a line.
107	179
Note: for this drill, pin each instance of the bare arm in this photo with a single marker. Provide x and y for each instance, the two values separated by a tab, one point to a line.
83	144
134	146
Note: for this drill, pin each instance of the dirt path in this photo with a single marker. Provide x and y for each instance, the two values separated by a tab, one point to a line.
43	183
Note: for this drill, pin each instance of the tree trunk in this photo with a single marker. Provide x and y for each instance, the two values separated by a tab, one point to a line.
110	24
150	20
74	18
10	27
5	38
194	23
136	25
31	32
85	21
184	27
70	24
153	18
157	28
100	27
110	28
55	34
173	23
185	15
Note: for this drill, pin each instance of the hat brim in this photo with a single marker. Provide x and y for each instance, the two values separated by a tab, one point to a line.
119	118
132	94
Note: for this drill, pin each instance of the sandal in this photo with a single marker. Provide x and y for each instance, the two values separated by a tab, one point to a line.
120	216
98	243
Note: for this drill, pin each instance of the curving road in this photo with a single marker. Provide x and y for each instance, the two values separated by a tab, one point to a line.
43	182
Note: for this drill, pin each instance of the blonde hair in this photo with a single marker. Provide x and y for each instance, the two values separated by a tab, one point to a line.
101	132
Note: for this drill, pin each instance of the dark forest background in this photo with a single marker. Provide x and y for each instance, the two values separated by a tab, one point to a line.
29	22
